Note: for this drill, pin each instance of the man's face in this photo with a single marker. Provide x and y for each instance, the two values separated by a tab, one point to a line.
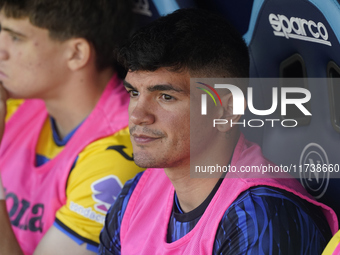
30	62
159	117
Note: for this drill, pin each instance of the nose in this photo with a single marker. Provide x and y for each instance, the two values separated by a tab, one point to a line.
3	55
141	112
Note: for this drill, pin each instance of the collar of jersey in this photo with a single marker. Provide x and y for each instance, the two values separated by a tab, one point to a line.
58	141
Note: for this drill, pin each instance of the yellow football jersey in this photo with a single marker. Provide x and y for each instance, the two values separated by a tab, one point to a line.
12	106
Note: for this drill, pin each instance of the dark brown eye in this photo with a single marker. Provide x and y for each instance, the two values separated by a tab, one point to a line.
133	93
167	97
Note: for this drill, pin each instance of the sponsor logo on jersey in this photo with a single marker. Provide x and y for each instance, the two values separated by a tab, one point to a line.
87	212
120	150
105	192
298	28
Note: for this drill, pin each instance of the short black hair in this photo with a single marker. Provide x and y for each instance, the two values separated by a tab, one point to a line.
103	23
196	40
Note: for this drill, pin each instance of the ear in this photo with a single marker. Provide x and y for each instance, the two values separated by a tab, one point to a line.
78	53
226	112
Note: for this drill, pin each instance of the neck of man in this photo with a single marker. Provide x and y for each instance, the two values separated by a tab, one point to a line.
191	192
73	101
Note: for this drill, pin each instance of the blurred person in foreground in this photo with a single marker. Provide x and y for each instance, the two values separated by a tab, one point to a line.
65	152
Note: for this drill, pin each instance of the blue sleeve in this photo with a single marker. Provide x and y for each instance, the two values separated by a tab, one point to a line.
110	235
266	220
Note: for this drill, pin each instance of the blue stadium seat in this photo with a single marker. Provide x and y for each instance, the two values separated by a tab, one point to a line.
149	10
236	12
300	38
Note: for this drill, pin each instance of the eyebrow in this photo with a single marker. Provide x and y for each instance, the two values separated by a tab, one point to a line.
11	31
127	85
160	87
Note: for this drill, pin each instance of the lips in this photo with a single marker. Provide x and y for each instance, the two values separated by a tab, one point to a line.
3	75
144	139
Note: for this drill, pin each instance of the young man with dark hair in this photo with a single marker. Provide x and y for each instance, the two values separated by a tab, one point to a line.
165	211
65	152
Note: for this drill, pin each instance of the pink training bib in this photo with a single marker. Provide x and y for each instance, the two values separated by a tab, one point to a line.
145	222
34	194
